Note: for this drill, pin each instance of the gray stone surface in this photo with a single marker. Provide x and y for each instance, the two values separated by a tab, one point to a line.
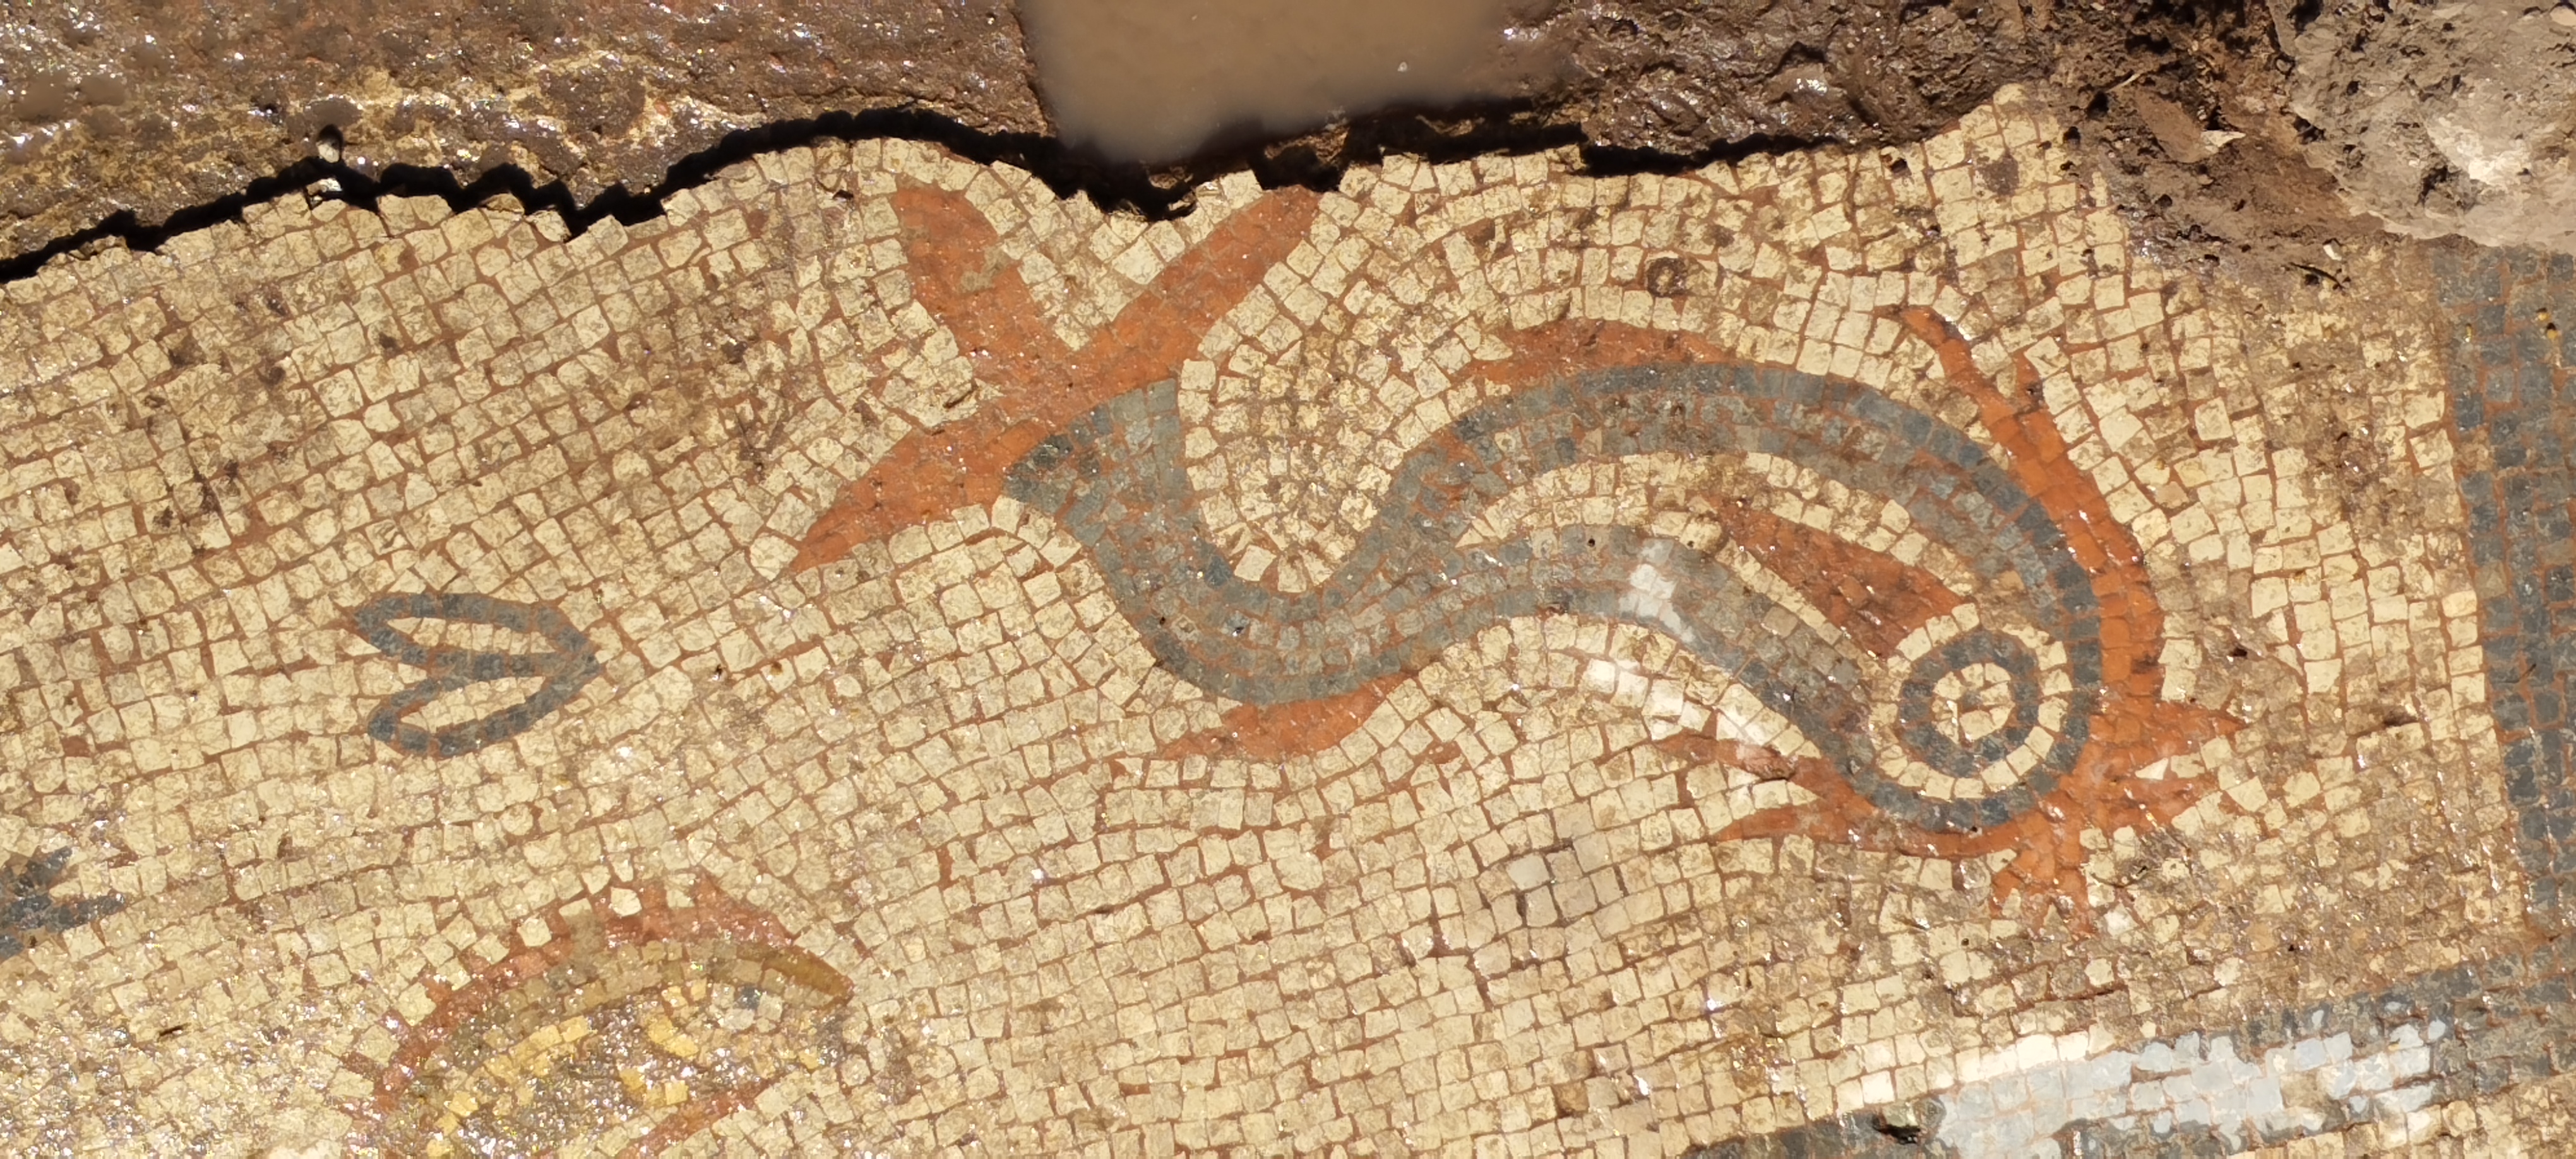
2453	118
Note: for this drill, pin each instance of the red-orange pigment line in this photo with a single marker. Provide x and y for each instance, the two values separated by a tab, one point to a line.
1875	598
1280	731
2134	727
961	276
1551	351
2132	623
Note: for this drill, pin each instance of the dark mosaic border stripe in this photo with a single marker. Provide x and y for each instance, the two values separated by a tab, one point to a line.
2514	408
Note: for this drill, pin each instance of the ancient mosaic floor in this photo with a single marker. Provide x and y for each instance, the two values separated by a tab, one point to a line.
1842	653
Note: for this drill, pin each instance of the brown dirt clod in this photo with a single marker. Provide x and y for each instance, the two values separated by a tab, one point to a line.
139	109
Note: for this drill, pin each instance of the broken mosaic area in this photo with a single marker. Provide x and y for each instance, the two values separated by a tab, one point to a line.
1489	658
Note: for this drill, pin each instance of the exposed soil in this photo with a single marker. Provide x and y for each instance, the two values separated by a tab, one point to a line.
130	112
1684	78
151	106
2185	109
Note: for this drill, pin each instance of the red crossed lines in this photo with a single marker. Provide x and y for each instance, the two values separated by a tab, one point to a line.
1040	384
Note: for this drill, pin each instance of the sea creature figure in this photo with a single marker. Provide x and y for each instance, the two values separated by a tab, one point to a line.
2062	686
2011	716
